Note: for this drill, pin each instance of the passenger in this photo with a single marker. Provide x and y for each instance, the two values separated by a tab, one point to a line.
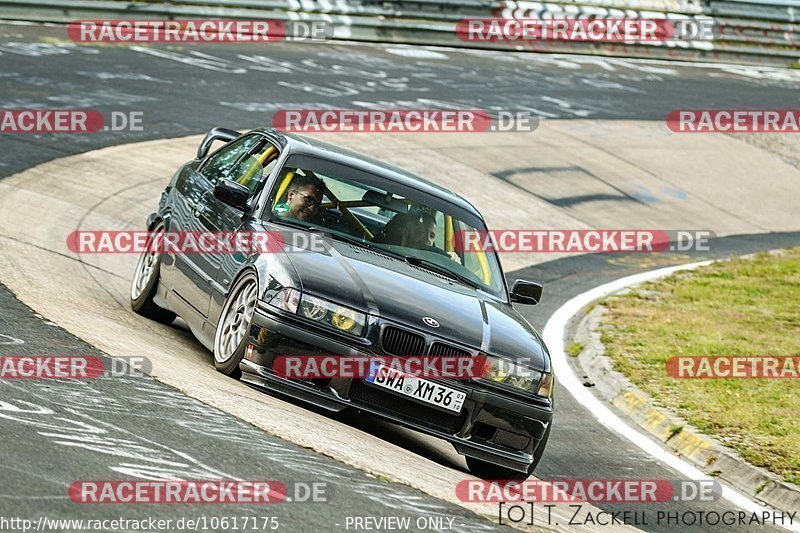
397	231
422	234
413	231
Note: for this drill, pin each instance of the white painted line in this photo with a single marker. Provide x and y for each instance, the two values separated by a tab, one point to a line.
419	53
9	340
554	338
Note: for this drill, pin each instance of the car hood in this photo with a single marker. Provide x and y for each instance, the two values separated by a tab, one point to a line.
392	289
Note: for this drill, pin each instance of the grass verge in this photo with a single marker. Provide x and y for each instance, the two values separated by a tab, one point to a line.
574	349
748	307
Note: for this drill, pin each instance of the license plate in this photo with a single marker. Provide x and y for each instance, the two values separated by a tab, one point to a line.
414	387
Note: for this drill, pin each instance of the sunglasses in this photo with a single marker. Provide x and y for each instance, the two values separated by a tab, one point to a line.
308	199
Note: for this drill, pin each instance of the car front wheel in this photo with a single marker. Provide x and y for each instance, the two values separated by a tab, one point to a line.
230	340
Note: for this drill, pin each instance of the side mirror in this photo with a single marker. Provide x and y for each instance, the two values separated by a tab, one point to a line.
232	194
217	134
526	292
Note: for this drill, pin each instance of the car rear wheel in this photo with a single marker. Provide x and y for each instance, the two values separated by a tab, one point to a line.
230	340
145	280
490	471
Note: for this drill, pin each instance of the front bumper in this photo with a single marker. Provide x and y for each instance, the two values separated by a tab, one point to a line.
492	426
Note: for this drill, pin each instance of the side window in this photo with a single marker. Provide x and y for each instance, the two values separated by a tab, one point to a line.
223	163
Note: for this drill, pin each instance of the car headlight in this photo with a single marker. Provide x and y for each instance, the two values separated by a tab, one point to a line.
329	313
347	320
518	376
287	299
313	308
319	310
546	385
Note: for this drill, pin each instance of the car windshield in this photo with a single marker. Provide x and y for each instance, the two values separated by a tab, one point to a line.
379	213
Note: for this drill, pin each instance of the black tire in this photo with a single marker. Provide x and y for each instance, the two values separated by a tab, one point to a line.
145	284
490	471
228	351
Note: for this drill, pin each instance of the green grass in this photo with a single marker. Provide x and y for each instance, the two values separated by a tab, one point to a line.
674	430
747	307
574	349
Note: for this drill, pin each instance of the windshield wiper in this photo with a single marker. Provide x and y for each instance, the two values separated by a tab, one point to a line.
435	267
349	240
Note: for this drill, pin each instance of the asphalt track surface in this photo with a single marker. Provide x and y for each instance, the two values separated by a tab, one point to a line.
185	91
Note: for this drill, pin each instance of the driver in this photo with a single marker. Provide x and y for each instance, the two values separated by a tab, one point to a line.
304	198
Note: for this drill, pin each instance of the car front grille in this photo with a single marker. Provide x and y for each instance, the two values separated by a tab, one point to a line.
440	349
406	409
396	341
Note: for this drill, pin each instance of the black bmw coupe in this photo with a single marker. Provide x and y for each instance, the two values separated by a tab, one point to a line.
380	274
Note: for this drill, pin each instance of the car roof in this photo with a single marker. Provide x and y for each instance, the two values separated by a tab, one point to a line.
306	145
